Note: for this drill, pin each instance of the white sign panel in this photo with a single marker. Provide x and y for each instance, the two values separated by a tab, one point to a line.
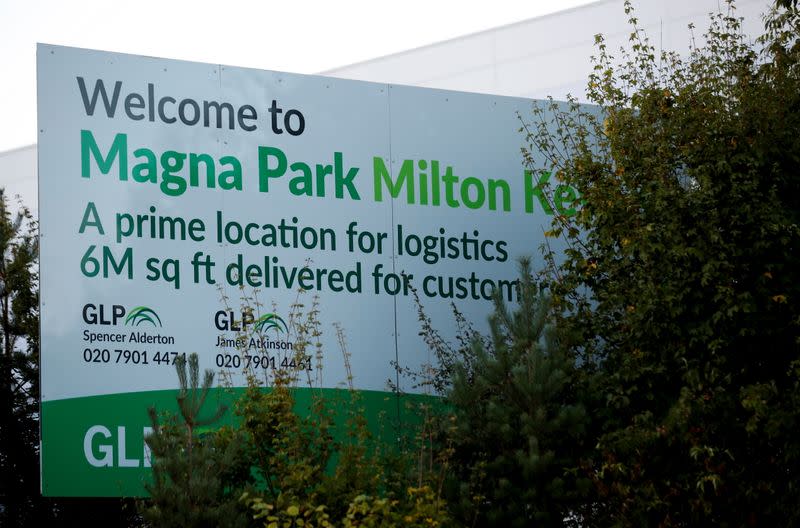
172	192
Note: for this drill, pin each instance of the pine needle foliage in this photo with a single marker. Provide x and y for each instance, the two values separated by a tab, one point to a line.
192	470
518	424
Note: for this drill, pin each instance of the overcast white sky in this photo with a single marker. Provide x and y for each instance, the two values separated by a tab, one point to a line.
294	36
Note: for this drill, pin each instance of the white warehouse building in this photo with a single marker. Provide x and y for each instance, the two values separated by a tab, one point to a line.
535	58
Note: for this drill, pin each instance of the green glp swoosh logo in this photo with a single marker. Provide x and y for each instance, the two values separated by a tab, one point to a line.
142	314
268	321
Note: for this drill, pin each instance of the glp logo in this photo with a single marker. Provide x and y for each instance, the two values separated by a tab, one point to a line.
227	321
269	321
104	314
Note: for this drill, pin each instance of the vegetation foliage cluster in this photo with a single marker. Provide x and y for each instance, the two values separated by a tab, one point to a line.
678	294
281	462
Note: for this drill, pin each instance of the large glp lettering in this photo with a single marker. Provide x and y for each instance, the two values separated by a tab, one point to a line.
99	446
103	314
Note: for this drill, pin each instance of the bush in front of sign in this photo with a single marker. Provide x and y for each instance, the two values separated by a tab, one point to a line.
286	458
513	431
681	278
192	469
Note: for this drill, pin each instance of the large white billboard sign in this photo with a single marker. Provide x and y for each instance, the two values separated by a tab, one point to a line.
165	185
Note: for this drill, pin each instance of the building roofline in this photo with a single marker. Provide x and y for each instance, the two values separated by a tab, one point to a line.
464	37
17	149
